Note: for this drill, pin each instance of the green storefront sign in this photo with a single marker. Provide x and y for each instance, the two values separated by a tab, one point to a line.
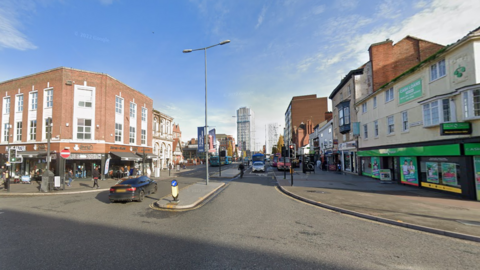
437	150
463	128
472	149
410	91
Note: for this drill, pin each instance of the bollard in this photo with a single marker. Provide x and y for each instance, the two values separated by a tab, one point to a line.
175	190
291	175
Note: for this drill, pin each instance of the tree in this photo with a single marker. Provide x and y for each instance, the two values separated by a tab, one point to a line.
280	143
274	149
236	153
229	150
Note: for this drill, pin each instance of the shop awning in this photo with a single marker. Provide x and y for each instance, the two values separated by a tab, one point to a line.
126	156
148	155
32	154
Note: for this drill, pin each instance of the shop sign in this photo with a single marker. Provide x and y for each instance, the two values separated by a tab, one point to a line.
410	92
20	148
436	150
42	147
348	146
462	128
117	148
83	147
85	156
415	124
441	187
409	171
472	149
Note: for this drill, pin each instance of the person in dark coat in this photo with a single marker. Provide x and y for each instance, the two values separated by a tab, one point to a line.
96	175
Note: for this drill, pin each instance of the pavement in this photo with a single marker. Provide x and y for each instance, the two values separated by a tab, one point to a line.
406	206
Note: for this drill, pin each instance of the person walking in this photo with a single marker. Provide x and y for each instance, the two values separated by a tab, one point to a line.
96	174
70	177
241	167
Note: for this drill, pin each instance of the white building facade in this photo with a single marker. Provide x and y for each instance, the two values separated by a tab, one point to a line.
162	140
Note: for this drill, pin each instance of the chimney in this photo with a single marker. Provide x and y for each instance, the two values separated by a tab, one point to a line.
328	116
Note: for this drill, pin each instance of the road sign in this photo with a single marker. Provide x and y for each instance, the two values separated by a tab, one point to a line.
65	153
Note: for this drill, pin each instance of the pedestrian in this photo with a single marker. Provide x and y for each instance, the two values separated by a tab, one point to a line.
96	174
70	177
241	167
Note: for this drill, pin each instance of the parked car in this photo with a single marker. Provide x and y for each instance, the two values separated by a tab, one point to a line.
258	166
133	189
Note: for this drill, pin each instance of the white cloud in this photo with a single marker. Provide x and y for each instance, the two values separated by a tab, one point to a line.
346	4
318	10
261	17
11	37
389	9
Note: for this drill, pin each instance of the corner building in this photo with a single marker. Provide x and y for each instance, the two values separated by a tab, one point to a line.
95	116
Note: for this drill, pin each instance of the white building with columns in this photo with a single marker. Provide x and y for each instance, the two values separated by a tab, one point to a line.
162	140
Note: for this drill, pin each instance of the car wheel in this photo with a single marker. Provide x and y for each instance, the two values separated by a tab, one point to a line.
155	189
141	196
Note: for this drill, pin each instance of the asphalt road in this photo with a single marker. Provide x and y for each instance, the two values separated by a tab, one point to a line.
249	225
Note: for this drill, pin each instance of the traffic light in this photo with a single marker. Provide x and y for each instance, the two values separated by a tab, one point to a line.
12	156
284	151
291	150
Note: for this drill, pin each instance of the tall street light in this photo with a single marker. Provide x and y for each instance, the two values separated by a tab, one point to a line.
206	126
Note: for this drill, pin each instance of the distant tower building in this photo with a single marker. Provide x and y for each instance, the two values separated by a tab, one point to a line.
245	129
273	133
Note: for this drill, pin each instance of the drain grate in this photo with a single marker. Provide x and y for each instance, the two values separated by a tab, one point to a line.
469	222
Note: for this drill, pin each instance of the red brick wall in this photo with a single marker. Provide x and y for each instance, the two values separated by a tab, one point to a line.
309	107
63	99
389	61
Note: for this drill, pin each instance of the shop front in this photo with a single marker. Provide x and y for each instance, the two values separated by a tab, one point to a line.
348	152
440	167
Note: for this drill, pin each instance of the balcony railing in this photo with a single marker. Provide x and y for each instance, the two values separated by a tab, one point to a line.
159	135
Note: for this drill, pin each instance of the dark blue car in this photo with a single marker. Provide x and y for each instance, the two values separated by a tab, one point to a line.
133	189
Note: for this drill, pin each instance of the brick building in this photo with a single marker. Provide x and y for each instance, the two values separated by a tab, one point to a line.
301	109
95	116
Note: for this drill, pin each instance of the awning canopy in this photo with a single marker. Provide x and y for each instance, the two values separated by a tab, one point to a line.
32	154
148	155
126	156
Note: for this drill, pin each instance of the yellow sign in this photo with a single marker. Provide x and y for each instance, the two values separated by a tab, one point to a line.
441	187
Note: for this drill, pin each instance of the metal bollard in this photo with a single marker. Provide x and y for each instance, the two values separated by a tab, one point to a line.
175	190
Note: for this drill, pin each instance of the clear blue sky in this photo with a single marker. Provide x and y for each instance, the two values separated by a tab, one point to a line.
279	49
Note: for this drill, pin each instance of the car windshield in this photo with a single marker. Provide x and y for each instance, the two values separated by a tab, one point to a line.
258	163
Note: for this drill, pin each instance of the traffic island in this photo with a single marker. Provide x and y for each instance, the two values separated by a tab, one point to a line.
188	197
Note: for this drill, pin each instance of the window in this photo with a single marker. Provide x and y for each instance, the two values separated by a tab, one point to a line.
374	102
49	98
437	70
390	125
404	121
364	107
84	129
434	114
118	104
144	114
471	104
389	95
20	103
33	100
85	98
144	136
33	130
376	128
346	111
340	117
6	105
132	134
133	110
365	131
48	127
6	131
118	132
19	131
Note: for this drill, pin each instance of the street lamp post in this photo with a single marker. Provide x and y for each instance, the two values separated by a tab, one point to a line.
206	126
7	176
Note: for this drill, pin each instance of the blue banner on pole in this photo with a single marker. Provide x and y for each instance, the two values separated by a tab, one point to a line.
211	134
200	139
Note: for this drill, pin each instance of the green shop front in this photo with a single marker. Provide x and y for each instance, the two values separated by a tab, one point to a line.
453	168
